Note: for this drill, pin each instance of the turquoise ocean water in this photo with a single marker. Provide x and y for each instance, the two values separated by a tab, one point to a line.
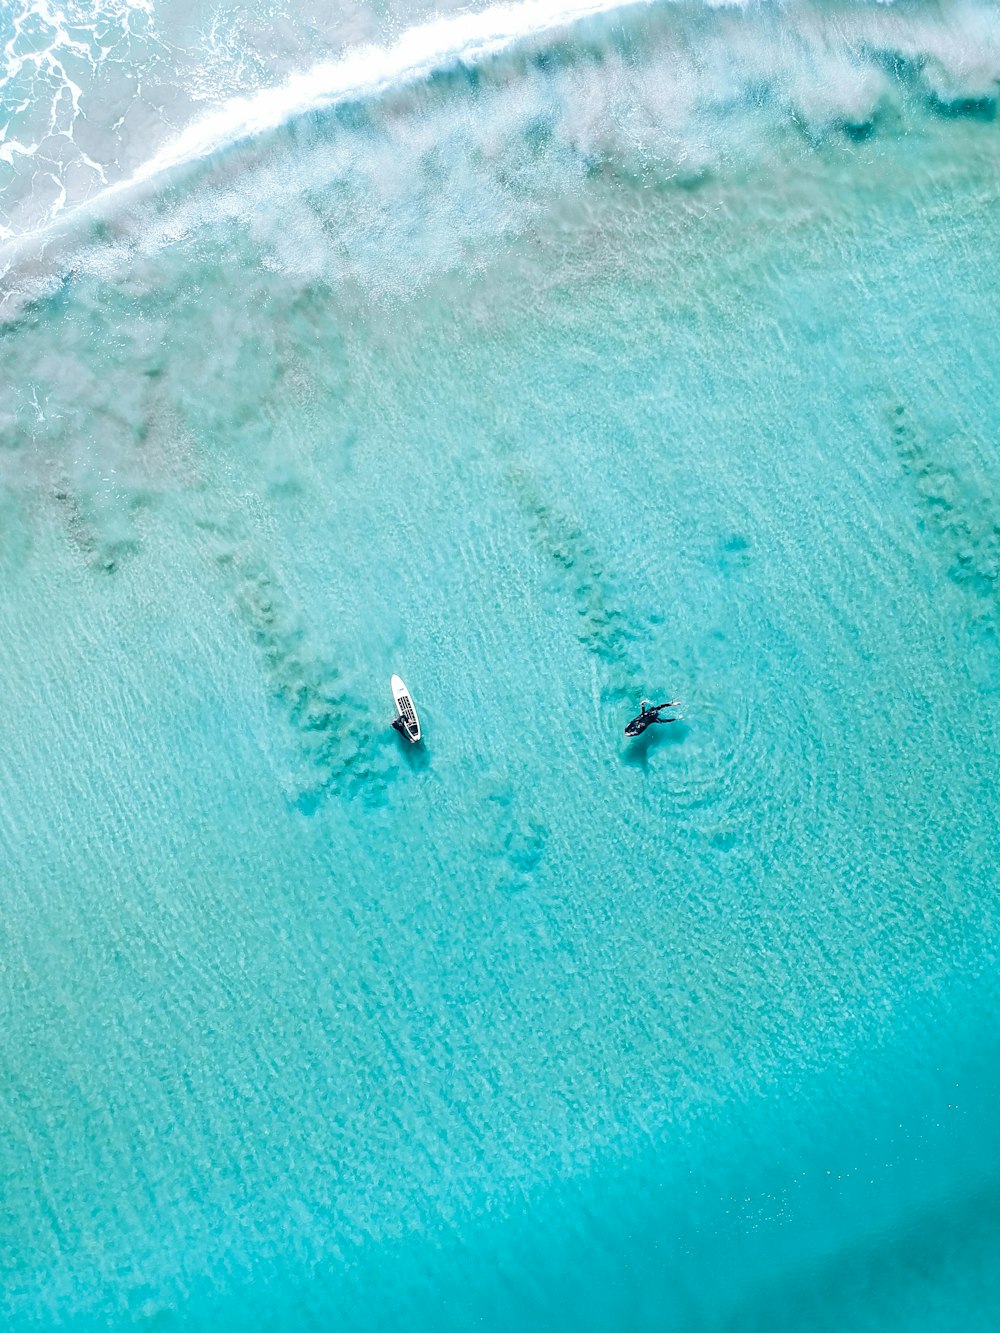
550	359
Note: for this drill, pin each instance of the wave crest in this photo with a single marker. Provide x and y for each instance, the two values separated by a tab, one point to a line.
394	161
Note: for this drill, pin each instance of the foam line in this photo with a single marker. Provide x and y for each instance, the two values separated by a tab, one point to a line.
363	72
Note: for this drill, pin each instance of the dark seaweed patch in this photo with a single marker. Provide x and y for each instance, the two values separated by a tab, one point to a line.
904	69
859	131
102	554
603	625
333	729
961	514
982	108
735	554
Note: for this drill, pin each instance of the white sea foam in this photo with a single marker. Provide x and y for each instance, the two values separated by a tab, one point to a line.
370	70
448	169
363	72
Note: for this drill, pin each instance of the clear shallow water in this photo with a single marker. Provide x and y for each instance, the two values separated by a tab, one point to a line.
534	1029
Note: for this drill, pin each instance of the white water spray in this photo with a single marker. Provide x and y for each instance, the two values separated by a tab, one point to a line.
363	72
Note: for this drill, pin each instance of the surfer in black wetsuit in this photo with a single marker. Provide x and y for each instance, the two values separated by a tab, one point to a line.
648	714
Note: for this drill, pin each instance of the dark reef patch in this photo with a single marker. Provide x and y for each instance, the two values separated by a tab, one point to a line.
604	627
102	553
334	732
962	513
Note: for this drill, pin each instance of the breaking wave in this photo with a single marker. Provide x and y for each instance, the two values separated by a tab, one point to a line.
59	148
400	158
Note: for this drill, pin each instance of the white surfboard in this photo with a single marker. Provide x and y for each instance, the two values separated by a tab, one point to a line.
407	723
